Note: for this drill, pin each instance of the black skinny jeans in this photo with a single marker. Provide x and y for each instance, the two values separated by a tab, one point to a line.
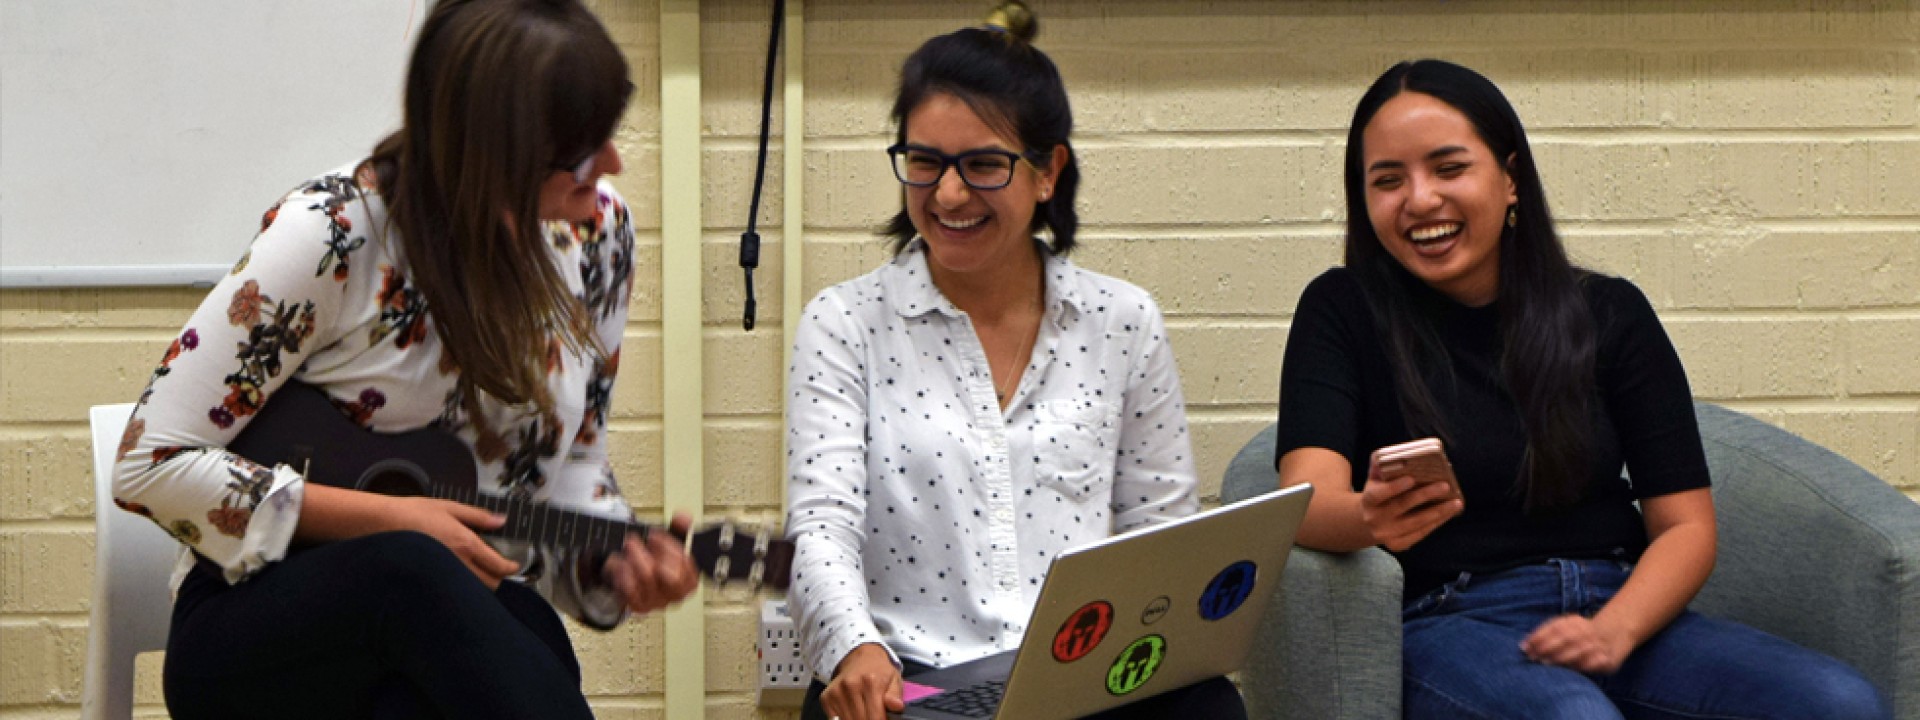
383	626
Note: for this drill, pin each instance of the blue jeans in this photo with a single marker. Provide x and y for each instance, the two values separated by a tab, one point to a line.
1462	658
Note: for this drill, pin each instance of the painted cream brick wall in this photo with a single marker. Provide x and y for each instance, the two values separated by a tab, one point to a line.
1748	164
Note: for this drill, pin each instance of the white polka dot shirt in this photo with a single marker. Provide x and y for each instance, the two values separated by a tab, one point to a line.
925	517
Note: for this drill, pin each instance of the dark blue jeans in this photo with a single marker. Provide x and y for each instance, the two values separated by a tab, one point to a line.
1462	658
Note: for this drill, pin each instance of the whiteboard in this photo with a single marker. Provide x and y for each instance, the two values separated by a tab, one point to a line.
140	140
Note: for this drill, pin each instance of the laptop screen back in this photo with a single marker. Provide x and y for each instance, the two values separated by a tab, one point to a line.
1160	608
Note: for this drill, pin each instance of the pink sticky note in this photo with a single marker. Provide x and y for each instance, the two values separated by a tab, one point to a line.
911	691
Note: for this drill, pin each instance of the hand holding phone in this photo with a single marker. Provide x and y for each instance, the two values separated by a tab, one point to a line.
1410	492
1424	460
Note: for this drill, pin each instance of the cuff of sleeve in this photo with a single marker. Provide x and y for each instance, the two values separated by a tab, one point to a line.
836	649
270	526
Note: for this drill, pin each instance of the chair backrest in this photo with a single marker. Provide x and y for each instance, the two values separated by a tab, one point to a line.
133	560
1251	472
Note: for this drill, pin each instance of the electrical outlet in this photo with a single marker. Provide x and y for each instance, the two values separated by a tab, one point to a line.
784	676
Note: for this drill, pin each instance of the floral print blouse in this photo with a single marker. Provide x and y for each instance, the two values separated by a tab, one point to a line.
323	296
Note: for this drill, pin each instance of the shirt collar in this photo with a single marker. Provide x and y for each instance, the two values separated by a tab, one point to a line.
907	280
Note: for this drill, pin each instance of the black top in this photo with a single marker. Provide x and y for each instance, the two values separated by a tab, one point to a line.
1337	391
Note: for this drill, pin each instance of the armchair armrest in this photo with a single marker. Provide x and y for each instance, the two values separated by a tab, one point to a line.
1331	641
1330	644
1816	550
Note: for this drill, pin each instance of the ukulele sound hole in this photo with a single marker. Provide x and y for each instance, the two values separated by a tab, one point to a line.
394	477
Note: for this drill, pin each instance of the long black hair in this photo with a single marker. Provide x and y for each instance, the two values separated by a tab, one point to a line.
1547	333
1014	88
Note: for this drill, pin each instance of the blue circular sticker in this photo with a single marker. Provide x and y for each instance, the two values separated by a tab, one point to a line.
1228	590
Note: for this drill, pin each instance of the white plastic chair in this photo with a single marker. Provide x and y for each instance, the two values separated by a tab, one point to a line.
133	560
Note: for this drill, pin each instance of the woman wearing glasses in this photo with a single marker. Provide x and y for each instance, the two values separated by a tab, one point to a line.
471	276
978	404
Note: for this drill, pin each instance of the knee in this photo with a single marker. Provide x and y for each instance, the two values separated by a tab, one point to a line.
407	561
1840	693
1538	698
1565	701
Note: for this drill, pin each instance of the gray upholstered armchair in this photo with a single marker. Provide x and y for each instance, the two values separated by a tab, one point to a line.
1812	548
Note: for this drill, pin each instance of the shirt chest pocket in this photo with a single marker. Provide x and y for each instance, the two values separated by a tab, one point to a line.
1074	444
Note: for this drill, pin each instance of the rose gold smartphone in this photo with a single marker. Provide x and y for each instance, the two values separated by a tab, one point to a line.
1424	460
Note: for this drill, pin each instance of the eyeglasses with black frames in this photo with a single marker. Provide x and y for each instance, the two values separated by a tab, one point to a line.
982	169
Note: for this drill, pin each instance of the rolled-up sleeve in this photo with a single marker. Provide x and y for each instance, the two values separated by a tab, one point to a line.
241	345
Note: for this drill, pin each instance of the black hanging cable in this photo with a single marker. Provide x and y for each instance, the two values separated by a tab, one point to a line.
750	240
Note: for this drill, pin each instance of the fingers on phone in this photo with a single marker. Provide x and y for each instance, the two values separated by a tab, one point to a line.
1405	494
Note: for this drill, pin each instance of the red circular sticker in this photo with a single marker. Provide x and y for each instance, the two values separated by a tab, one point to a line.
1083	631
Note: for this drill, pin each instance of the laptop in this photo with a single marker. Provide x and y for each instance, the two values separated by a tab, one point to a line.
1130	617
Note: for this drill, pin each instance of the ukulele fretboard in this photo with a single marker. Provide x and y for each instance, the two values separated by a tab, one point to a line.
544	524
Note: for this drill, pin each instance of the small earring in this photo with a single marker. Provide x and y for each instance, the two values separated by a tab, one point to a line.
1513	217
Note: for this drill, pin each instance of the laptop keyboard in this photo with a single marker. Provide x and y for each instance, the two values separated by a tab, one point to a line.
978	700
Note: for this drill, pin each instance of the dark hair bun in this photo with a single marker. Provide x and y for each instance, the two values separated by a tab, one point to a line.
1013	18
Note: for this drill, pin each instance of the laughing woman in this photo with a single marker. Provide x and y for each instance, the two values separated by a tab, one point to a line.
1543	592
977	405
470	276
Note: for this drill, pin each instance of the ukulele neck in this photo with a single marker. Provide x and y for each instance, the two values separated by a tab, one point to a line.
544	524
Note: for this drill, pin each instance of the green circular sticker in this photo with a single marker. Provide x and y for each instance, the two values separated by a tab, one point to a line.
1136	664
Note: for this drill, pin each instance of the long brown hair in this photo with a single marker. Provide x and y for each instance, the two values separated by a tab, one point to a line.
499	95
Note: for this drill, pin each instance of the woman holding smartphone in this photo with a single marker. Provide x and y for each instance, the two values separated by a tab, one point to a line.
1540	590
471	276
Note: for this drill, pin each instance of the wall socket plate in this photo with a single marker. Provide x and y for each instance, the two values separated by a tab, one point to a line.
784	676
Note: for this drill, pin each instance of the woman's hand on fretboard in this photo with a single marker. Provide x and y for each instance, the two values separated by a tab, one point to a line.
656	572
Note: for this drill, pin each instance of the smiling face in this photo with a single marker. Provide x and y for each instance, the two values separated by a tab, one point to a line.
969	230
1436	196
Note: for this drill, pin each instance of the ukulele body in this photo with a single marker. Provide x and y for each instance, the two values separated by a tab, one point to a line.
293	428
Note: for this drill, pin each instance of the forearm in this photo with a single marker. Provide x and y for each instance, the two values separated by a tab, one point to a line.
831	609
1333	523
1671	571
331	513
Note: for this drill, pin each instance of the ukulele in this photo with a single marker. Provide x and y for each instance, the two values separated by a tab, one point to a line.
301	427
